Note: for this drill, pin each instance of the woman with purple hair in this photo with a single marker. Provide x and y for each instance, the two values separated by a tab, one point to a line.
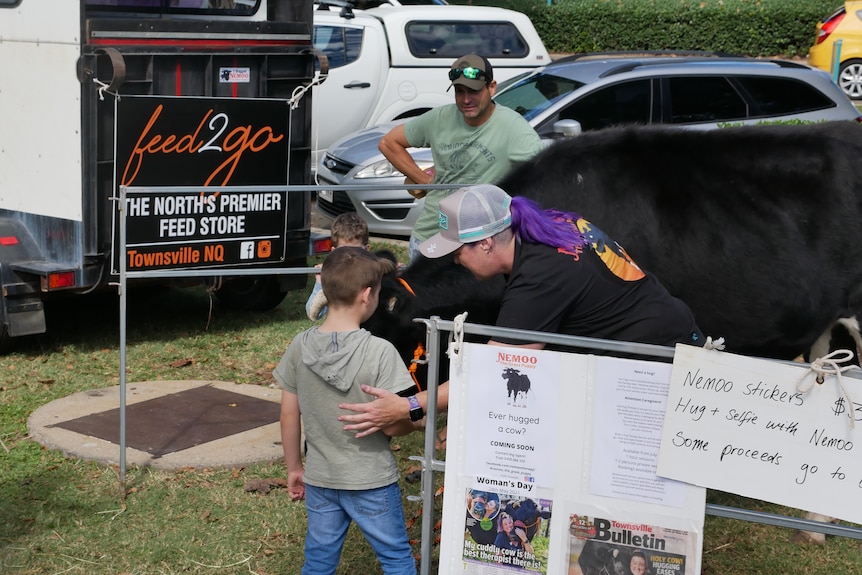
563	275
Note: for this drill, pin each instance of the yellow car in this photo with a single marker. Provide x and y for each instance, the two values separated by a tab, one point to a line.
844	25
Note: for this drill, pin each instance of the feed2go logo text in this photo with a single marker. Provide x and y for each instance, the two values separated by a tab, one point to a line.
213	143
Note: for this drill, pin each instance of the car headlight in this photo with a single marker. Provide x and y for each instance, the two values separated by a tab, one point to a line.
384	169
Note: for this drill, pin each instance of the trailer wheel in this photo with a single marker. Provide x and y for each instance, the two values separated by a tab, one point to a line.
5	340
251	293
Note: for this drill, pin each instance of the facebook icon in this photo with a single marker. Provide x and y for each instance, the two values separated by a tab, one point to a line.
246	250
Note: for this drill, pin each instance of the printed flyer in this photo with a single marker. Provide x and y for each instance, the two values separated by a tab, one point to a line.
513	424
600	546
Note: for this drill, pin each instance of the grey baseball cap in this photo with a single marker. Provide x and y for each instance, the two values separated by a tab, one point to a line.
471	214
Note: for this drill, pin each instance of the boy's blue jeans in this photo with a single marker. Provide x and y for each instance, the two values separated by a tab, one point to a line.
377	512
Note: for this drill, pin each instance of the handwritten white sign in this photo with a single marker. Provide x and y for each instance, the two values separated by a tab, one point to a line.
747	426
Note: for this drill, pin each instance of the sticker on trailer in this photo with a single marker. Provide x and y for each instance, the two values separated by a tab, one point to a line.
234	75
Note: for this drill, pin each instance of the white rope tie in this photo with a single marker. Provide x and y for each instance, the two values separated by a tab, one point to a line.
456	339
828	365
300	91
717	345
103	89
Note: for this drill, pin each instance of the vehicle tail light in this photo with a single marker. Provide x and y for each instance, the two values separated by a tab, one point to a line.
828	26
321	245
60	280
8	240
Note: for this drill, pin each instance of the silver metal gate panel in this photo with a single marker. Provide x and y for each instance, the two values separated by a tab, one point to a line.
433	329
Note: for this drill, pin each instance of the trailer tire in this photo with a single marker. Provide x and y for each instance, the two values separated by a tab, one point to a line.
5	339
251	293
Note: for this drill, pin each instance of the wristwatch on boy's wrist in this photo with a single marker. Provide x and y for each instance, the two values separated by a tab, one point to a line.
416	411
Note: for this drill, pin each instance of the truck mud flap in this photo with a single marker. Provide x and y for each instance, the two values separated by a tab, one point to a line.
21	304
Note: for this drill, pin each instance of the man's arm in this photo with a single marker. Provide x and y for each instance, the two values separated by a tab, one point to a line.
403	427
387	409
525	345
394	146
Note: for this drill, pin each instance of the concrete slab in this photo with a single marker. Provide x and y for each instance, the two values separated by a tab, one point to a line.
257	445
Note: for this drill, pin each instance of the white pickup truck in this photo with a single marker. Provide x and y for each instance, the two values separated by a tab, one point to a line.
391	62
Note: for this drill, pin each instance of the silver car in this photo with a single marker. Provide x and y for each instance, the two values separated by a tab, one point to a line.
595	92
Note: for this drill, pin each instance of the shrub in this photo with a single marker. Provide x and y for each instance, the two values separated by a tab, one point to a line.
745	27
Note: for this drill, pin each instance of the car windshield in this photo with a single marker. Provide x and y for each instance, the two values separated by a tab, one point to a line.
533	94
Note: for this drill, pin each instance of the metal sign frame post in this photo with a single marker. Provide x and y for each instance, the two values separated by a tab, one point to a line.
124	275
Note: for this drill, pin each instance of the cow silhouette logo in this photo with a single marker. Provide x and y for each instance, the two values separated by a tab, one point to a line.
517	383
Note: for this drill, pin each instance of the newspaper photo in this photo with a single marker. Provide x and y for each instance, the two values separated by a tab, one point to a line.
599	546
504	533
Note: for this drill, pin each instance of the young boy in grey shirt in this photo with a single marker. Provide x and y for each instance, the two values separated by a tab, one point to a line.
344	479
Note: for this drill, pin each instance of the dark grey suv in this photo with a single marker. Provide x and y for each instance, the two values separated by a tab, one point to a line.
593	92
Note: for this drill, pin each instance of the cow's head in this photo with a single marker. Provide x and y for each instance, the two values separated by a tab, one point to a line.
527	511
426	288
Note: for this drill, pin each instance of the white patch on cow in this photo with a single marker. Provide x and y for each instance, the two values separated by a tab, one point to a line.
821	348
851	324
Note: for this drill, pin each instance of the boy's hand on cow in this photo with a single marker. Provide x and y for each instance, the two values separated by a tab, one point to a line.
373	416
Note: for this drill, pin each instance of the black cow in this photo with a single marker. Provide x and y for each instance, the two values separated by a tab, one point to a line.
758	229
599	558
525	510
429	288
517	382
529	512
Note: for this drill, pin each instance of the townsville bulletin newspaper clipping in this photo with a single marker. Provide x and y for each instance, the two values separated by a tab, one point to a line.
599	546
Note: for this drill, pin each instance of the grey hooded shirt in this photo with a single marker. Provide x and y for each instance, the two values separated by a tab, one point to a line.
327	368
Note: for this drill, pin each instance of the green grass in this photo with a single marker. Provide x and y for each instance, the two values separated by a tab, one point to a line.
60	515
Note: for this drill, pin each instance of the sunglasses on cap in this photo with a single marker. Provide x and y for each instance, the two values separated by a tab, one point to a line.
469	72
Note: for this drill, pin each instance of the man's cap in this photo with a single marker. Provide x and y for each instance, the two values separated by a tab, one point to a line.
467	216
474	62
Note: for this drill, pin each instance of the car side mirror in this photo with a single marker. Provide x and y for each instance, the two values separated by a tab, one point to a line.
567	128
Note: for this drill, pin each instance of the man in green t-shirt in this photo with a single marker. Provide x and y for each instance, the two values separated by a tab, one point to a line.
472	141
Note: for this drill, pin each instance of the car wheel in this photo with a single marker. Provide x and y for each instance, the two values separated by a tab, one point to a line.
850	79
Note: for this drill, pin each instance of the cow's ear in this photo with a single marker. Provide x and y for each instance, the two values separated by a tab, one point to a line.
391	304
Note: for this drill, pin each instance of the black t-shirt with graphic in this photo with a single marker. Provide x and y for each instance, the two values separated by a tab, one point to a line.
594	290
